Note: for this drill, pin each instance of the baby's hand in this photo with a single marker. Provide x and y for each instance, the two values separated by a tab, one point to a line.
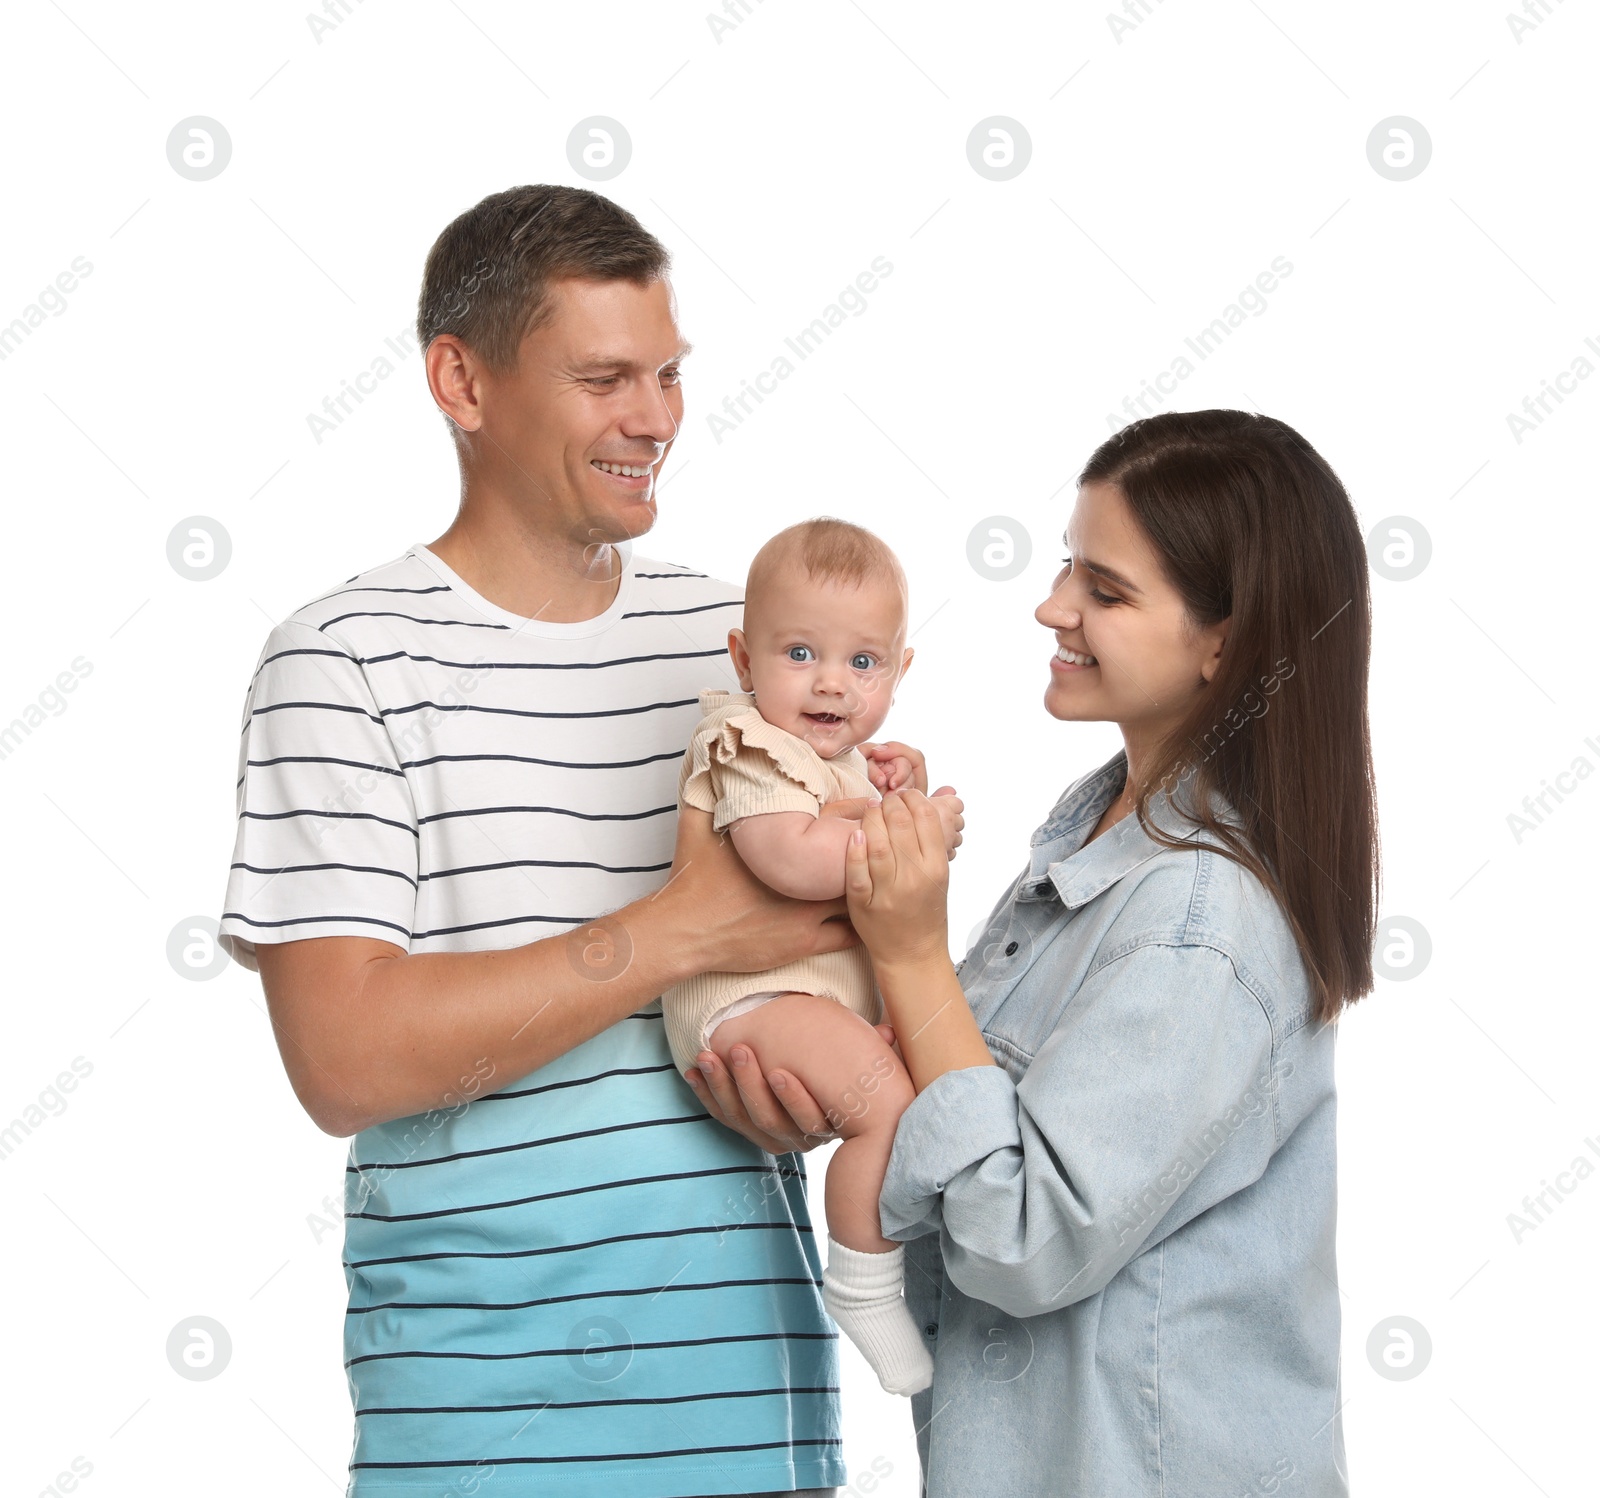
893	766
949	806
892	774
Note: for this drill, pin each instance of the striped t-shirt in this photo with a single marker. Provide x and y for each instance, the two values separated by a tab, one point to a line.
579	1279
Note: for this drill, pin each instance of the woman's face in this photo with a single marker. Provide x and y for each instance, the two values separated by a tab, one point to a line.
1139	658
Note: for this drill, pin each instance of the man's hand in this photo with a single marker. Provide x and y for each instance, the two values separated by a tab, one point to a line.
739	925
773	1111
787	1121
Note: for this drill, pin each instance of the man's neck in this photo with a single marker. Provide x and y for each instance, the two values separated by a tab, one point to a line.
548	578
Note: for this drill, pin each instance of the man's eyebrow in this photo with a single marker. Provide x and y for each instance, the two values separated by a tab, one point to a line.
1101	570
616	361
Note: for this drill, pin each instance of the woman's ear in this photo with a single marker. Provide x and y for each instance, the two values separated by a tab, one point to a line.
1213	637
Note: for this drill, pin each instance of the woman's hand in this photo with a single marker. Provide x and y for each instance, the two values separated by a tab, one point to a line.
949	807
779	1121
848	807
894	766
896	880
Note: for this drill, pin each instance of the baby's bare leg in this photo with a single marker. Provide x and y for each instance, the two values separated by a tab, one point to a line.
859	1081
863	1089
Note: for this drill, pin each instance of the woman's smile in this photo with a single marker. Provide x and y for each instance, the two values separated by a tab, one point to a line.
1070	662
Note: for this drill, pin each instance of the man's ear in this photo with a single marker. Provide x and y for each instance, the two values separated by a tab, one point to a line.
1213	637
455	381
740	655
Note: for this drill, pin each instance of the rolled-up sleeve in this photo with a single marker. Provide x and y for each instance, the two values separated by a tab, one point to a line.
1151	1100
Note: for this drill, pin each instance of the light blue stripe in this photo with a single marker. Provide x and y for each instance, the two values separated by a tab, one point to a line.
545	1334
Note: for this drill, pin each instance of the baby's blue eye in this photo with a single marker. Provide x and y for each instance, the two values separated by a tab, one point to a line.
791	651
861	656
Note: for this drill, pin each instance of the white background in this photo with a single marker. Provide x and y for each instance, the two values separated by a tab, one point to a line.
1169	166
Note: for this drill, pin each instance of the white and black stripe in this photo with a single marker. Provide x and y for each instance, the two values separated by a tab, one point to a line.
420	766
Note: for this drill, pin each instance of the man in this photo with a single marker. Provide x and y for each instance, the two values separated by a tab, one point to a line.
562	1269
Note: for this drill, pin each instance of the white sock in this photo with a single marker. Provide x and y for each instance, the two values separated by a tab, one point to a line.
862	1293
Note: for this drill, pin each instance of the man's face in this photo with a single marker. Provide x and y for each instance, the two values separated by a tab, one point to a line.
596	392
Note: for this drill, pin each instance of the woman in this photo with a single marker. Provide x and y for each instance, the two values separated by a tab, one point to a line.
1116	1181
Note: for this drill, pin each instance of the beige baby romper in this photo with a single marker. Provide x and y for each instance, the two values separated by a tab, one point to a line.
739	765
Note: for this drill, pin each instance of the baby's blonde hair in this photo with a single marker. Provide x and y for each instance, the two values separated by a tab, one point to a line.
829	550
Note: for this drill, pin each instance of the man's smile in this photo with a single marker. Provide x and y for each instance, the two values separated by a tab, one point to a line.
632	476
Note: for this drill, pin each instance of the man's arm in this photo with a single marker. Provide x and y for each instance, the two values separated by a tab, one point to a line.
369	1033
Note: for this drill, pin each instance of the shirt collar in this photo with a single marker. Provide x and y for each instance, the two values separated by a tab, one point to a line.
1063	863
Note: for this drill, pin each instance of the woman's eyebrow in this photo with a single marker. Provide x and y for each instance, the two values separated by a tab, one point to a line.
1101	570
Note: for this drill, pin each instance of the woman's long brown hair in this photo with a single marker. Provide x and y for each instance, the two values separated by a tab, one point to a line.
1252	525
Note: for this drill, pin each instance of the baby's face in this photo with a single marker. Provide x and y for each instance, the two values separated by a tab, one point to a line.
822	658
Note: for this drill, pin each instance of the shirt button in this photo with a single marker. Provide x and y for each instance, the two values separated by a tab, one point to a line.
931	1329
1011	947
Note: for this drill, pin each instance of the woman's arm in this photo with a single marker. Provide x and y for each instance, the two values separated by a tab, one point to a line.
1151	1101
896	882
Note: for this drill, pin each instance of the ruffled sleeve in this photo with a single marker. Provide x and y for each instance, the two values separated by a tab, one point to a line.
740	765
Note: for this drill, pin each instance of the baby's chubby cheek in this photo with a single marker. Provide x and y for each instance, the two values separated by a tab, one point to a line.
866	726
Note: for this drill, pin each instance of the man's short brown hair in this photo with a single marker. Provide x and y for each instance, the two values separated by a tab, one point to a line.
488	275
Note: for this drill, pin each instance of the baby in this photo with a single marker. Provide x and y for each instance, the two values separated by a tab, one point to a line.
818	659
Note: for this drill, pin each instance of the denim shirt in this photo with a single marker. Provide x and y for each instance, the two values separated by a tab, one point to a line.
1120	1239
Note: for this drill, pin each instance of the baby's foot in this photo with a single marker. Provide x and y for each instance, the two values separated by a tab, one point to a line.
862	1292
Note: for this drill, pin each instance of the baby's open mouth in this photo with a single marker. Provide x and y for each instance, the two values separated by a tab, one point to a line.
828	719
